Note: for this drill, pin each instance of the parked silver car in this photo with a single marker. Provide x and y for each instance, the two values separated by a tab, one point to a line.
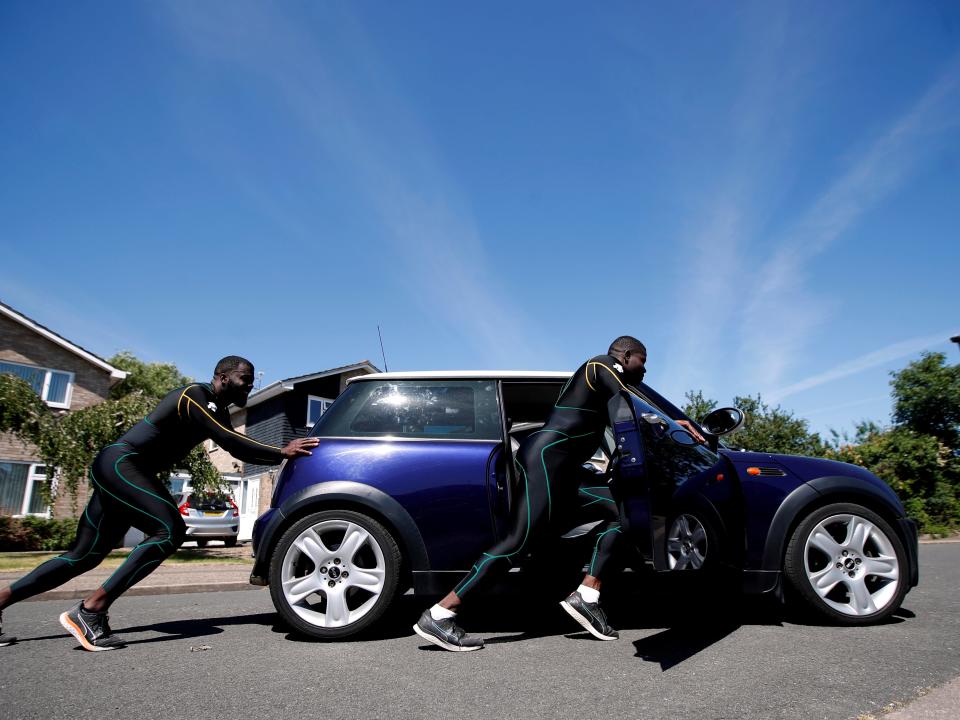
210	517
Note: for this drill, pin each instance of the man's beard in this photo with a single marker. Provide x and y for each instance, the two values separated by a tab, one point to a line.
236	395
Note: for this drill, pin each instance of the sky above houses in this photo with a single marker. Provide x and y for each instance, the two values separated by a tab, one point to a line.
767	194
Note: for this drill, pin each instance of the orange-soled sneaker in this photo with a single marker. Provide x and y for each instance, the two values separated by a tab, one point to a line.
91	629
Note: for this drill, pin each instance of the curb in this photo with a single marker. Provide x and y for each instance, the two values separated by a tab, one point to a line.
149	590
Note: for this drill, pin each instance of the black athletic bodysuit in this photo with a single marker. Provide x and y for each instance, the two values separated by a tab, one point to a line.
126	492
548	464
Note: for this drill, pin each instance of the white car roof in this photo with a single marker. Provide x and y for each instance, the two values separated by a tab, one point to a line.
464	375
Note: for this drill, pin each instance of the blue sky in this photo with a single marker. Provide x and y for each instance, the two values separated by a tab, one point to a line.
767	194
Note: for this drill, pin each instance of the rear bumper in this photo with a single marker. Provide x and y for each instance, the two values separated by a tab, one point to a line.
909	532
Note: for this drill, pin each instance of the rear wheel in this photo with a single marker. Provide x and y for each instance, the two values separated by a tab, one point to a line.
334	573
202	542
230	541
848	564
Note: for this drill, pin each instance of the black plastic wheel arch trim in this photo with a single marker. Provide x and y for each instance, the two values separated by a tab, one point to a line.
357	496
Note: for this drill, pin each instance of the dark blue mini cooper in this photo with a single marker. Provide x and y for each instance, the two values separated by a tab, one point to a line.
413	479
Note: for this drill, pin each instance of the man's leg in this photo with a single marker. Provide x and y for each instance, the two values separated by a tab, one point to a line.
528	515
583	604
97	533
146	506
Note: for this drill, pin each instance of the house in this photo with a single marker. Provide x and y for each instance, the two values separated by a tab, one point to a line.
276	414
67	377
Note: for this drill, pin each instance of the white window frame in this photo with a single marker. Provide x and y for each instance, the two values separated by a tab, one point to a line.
310	398
32	476
45	390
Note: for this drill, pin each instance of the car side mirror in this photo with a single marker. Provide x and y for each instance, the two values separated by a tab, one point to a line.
723	421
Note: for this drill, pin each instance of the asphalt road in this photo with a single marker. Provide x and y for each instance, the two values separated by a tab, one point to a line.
683	653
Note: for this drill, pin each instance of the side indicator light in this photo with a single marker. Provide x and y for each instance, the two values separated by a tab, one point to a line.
753	471
719	477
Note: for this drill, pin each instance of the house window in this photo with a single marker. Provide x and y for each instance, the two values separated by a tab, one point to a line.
53	386
21	491
316	406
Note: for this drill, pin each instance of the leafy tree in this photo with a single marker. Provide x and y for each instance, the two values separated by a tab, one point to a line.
70	441
154	380
765	429
927	398
697	406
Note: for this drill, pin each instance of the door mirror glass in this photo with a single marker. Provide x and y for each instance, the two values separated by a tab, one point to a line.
723	421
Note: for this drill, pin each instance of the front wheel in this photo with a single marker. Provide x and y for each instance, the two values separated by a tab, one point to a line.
848	564
692	543
334	573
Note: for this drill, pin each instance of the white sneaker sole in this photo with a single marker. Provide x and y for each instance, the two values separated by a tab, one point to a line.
71	628
583	622
440	643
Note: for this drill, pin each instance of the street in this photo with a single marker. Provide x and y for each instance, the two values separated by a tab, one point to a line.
680	655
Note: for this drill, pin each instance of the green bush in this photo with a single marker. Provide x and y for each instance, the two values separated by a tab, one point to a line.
34	533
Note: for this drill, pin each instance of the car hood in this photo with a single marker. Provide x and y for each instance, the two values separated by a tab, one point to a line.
810	469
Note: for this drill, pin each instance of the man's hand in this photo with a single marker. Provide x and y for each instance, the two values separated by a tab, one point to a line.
688	426
300	446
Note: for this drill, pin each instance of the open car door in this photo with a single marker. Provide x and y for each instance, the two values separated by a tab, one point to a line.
657	466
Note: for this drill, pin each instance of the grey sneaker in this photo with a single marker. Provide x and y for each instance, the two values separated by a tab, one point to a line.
590	616
91	629
445	633
5	639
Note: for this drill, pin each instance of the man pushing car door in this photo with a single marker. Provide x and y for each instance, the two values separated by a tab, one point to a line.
547	466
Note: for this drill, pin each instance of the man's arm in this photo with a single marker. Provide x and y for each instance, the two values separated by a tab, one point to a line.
193	405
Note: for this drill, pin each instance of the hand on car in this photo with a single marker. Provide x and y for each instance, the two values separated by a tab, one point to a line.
689	427
300	446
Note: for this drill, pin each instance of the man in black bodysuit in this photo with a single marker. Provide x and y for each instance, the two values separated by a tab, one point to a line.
127	493
547	466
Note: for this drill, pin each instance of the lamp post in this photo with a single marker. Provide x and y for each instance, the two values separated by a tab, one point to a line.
956	339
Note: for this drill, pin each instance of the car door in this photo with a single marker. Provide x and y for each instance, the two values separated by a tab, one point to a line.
660	471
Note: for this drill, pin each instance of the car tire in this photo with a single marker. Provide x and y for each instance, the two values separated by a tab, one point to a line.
202	542
230	541
829	559
326	591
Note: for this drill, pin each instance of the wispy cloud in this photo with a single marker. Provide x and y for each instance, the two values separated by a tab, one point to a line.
781	312
374	134
873	359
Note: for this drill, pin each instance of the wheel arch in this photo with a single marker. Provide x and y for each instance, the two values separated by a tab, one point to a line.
346	495
818	493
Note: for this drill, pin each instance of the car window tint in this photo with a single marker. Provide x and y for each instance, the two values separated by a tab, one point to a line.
414	408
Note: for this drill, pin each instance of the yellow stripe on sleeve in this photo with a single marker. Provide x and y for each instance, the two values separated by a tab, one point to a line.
232	432
614	377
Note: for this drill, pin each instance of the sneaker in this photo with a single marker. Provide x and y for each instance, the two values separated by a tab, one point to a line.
91	629
445	633
590	617
5	639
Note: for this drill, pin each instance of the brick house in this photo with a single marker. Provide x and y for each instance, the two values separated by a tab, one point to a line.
68	378
276	414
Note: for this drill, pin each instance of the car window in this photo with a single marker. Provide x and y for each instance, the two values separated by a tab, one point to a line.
454	409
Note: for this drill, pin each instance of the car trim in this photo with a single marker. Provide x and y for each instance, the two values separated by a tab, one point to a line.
394	438
464	375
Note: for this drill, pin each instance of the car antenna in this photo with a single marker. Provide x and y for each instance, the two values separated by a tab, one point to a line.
382	353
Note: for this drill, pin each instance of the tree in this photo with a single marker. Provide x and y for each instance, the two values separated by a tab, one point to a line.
69	442
154	380
927	398
697	406
765	429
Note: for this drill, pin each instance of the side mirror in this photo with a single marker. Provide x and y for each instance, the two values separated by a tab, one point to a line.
723	421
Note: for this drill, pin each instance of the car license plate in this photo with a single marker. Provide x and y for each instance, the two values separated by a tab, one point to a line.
212	514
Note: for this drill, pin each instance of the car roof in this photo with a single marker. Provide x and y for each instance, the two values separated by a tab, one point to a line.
464	375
